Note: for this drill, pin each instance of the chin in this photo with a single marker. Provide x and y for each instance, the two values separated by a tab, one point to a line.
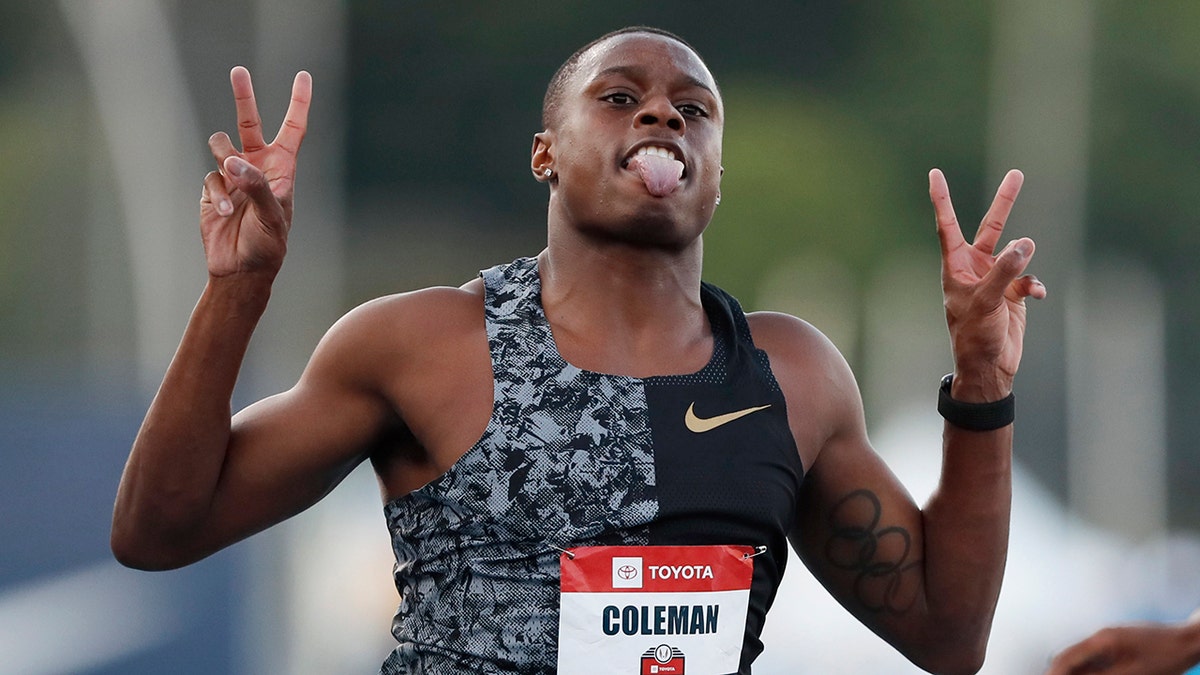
656	228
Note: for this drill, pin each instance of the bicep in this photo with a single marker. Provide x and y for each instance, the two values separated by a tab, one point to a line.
289	450
861	535
859	532
856	527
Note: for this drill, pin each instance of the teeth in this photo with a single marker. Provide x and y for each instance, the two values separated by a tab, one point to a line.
656	150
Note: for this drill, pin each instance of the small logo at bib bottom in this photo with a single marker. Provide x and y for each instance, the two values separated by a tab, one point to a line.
662	660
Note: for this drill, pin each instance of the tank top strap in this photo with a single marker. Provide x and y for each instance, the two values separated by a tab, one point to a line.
724	309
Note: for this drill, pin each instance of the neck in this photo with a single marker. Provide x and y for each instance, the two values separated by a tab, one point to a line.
622	278
624	308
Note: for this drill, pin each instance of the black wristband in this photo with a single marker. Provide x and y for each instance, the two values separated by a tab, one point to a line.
975	416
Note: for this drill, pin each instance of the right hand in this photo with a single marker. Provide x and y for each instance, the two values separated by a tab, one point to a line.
246	207
1135	649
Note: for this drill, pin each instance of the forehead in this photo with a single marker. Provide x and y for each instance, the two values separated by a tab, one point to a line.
646	55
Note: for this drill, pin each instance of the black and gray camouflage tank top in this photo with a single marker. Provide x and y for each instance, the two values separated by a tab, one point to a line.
576	458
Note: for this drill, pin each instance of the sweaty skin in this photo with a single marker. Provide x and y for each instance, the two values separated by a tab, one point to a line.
405	381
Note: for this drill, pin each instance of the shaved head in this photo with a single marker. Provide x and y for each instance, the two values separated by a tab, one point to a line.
553	98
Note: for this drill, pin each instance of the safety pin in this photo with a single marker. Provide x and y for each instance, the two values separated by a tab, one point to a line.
758	550
570	556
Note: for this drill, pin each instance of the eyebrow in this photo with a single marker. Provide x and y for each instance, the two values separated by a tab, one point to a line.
634	72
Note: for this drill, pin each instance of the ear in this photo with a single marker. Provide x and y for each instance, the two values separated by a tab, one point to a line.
541	157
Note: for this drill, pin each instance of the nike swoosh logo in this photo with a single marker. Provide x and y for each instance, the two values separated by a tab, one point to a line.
700	425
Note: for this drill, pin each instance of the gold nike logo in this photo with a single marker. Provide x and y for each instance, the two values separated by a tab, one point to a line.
700	425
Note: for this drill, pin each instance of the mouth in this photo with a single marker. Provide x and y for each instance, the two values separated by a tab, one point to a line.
657	149
660	166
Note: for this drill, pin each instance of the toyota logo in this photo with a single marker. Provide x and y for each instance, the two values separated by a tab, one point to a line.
627	571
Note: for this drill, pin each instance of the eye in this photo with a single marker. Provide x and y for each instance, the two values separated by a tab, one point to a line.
618	98
692	110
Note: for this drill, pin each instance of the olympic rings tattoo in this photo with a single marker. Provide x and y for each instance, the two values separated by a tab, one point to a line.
878	556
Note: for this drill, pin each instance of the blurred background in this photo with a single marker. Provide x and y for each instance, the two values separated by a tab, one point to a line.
415	172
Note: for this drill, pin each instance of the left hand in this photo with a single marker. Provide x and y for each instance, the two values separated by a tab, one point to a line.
984	294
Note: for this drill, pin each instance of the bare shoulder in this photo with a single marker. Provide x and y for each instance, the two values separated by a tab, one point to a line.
821	392
433	307
414	314
389	330
795	345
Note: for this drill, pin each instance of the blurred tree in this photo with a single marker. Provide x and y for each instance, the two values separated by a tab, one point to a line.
919	78
446	97
1144	201
17	40
804	175
44	125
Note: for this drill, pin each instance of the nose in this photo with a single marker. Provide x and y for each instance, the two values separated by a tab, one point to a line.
658	110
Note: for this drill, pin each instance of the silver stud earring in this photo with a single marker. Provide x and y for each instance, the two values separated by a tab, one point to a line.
548	173
718	200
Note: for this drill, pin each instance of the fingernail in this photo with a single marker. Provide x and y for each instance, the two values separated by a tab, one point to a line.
224	207
1022	249
236	166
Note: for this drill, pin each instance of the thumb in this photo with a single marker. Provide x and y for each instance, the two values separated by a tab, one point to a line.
253	183
1011	262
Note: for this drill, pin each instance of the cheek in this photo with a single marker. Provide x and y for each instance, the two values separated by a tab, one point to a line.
708	155
578	156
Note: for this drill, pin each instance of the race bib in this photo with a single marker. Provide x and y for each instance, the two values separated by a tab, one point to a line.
653	610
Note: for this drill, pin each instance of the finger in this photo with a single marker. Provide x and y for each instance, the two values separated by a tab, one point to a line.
249	123
1009	265
216	194
949	233
221	147
1027	286
992	225
247	178
295	122
1079	660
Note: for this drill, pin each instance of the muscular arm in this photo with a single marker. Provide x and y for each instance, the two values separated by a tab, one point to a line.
926	579
195	480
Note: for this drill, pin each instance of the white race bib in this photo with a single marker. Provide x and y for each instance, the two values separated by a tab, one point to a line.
653	610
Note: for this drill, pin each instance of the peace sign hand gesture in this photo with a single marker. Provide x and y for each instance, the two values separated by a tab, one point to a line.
984	294
246	207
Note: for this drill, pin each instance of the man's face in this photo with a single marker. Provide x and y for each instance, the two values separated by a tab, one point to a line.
632	95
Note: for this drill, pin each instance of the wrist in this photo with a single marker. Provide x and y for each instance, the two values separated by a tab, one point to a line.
971	386
988	415
240	293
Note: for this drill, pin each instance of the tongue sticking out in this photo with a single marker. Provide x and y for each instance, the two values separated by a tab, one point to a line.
661	175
